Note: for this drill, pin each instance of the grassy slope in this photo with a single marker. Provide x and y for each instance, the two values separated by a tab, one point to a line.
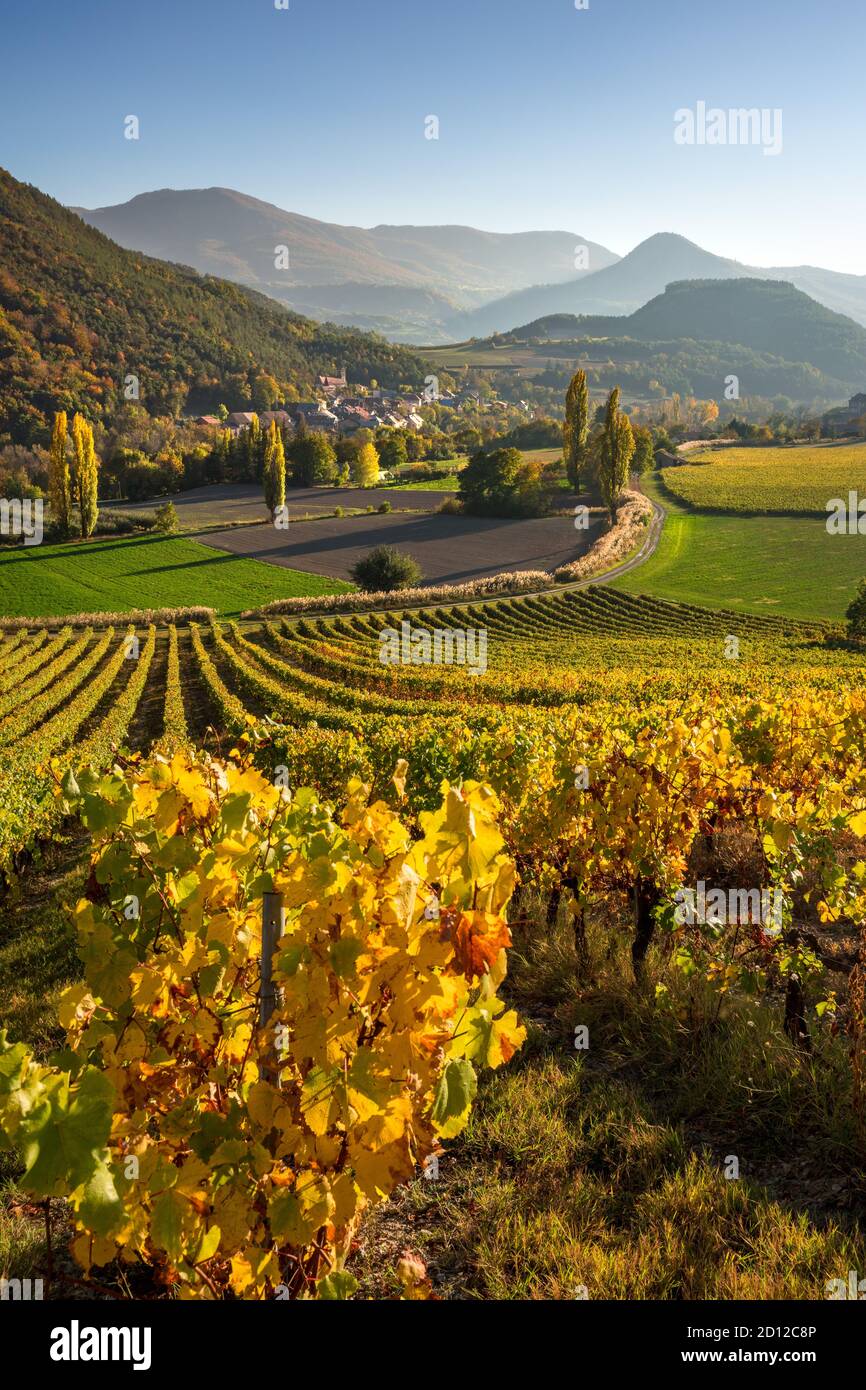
114	575
786	565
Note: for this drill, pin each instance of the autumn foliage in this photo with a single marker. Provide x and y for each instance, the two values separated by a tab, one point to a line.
233	1159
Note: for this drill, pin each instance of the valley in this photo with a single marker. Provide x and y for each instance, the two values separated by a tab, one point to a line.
432	675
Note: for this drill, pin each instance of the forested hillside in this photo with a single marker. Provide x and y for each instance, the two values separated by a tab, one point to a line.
766	315
774	338
78	314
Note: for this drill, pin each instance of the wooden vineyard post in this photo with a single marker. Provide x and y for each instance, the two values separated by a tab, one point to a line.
272	930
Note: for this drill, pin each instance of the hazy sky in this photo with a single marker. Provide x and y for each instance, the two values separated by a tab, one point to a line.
550	117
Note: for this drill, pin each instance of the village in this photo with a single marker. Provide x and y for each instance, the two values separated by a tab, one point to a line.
341	409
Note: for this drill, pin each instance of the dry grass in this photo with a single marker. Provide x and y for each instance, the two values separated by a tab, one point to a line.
632	517
601	1173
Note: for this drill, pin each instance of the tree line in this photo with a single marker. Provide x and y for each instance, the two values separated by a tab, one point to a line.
600	450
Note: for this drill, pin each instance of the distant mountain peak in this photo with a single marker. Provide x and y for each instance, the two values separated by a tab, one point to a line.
331	268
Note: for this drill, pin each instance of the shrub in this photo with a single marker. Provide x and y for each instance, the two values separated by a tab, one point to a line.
632	518
166	519
146	478
384	507
385	569
422	473
138	617
452	506
231	1151
543	433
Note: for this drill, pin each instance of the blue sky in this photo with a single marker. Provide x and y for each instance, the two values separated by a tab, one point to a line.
550	117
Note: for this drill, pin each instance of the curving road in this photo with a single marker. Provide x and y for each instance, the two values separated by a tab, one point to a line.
647	549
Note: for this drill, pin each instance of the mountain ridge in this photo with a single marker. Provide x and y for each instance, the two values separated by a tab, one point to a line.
642	274
224	232
76	323
476	282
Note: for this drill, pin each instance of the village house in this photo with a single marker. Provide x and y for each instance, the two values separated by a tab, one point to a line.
843	416
240	420
857	406
315	415
329	384
354	417
336	411
282	417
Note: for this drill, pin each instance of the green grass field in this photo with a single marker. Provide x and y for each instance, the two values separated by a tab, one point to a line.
449	484
795	479
115	575
757	564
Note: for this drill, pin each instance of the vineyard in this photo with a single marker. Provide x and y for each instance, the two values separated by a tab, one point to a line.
71	697
793	480
610	752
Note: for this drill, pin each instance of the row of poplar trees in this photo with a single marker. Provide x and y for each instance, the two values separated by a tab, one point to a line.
603	454
73	476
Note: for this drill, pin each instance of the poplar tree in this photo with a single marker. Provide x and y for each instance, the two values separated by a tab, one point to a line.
254	450
274	477
59	494
85	475
614	453
223	455
576	428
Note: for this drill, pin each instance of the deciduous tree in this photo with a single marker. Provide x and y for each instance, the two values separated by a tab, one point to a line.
576	428
501	483
392	451
365	466
644	453
275	469
613	453
85	475
314	462
59	490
